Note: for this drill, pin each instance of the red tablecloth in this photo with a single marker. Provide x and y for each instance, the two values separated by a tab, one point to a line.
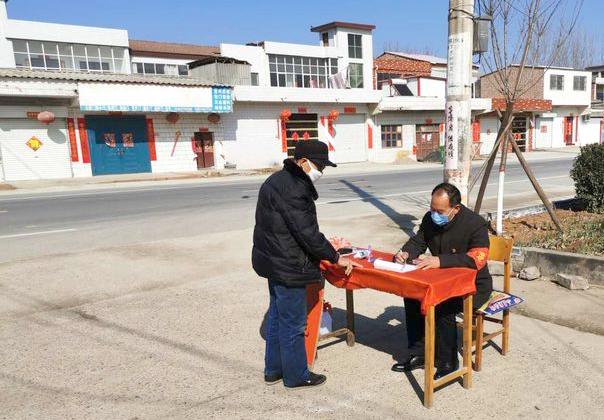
430	287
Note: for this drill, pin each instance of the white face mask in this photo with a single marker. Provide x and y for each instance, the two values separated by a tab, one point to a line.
314	174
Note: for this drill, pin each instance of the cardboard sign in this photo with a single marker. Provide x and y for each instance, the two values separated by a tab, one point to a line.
499	301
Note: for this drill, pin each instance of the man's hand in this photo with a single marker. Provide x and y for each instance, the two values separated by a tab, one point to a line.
401	257
348	264
428	262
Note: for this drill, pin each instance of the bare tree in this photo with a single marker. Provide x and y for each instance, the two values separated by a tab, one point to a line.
519	32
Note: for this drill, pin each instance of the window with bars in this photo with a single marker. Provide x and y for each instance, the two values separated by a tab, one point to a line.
294	71
355	50
40	55
579	83
392	136
355	75
152	69
556	82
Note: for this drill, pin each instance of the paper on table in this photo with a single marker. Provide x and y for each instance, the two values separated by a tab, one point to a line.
390	266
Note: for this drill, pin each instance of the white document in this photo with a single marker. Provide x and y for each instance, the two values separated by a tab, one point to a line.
391	266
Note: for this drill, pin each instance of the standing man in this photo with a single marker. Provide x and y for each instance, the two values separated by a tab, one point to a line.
288	248
456	237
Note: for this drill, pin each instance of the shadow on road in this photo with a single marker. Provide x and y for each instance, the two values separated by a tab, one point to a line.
403	221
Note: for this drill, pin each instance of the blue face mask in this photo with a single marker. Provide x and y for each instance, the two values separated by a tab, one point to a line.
440	219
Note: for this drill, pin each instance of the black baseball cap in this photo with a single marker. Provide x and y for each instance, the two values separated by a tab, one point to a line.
314	150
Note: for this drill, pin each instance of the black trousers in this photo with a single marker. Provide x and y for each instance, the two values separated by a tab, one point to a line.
446	328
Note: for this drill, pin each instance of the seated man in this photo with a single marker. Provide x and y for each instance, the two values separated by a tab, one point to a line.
456	237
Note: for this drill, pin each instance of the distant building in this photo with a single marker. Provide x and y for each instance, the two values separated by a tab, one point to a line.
553	111
70	105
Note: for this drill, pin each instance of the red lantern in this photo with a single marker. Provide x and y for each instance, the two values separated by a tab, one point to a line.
46	117
214	118
172	117
333	115
285	115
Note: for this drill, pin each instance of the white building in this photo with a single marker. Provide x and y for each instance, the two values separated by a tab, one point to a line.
304	92
96	117
555	110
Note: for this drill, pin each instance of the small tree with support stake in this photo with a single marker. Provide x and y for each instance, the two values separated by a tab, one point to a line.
518	33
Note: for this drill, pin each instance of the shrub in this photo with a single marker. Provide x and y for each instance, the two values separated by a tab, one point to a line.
588	174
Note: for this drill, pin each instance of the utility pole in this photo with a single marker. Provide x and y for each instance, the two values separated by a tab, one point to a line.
458	112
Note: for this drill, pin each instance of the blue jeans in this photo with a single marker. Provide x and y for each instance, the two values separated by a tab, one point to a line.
285	351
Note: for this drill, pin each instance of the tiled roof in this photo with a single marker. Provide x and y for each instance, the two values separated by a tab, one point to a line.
421	57
170	49
104	77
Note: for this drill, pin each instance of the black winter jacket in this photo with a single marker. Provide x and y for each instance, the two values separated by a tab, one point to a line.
288	245
463	242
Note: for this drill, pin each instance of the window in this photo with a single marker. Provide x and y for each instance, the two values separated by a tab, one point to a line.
151	69
308	72
556	82
325	39
355	50
392	136
254	77
61	56
355	75
579	83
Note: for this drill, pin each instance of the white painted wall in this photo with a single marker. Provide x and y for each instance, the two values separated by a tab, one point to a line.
20	162
544	127
341	45
159	60
184	158
252	134
301	50
488	133
408	121
590	132
427	87
568	96
43	31
7	57
256	56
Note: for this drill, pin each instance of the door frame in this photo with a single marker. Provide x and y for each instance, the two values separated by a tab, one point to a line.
569	130
92	146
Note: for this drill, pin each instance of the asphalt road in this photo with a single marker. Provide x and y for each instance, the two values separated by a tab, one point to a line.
42	224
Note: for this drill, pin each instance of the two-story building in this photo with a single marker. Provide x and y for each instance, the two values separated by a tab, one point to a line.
70	106
410	114
298	92
552	111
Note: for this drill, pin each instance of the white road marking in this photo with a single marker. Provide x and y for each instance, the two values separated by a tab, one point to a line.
3	211
46	232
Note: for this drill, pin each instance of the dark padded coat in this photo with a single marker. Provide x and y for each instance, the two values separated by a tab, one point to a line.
463	242
288	246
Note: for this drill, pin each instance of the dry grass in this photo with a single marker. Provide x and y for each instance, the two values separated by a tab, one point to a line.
583	232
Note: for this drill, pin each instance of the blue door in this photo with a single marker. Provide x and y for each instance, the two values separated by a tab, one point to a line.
118	145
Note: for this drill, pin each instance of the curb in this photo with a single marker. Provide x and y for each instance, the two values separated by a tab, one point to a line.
563	203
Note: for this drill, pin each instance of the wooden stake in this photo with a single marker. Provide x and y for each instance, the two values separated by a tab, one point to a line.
548	205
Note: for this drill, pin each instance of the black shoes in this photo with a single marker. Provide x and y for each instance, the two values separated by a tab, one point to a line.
312	381
445	369
412	363
272	379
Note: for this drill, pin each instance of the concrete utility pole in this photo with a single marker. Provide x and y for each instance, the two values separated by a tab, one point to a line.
458	126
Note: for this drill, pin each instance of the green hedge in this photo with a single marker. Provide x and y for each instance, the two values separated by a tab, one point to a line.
588	174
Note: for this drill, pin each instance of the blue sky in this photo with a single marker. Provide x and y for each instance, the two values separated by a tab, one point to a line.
408	24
